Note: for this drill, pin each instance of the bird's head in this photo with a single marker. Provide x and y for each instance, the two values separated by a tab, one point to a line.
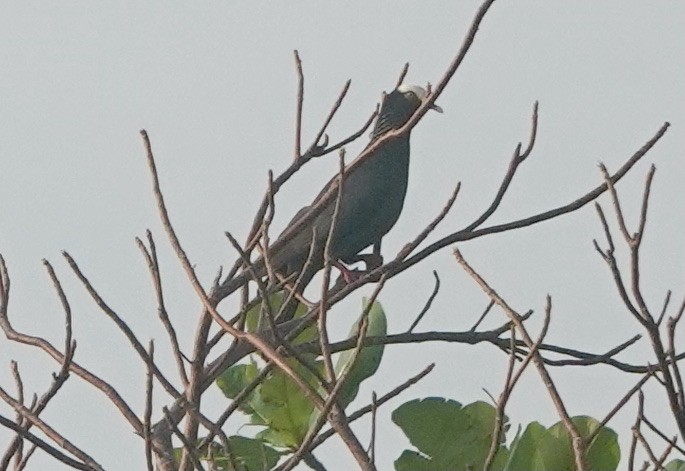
398	106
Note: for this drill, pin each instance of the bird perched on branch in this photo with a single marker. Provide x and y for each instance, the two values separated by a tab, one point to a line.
373	193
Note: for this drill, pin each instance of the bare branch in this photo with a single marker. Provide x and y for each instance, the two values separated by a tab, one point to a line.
577	440
46	447
121	324
516	160
48	430
403	74
428	304
382	400
147	415
153	266
300	100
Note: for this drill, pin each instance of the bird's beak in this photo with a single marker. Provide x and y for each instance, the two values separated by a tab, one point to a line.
436	108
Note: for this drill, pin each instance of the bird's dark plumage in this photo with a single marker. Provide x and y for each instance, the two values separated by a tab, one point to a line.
373	194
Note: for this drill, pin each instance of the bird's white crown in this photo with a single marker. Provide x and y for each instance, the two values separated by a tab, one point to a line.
419	91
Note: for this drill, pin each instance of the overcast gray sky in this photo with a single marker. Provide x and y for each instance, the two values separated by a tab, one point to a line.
214	85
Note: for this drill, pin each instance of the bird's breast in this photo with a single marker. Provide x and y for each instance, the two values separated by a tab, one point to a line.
373	197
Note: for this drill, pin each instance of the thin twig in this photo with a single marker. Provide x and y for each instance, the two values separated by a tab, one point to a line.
46	447
300	100
429	302
380	401
482	316
577	440
622	402
328	262
188	449
53	434
516	159
372	440
153	266
147	414
120	323
403	74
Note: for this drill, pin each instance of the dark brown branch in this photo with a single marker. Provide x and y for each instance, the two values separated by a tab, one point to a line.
188	448
517	159
63	359
428	304
328	263
592	195
577	440
53	434
619	405
367	409
482	316
121	324
662	435
45	446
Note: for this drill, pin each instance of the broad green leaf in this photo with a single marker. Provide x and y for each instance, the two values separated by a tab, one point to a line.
235	379
602	454
413	461
447	435
368	359
675	465
550	449
282	406
535	449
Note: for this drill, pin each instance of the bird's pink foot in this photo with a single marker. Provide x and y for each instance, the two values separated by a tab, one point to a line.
348	275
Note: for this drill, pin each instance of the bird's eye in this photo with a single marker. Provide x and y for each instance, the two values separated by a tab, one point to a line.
410	94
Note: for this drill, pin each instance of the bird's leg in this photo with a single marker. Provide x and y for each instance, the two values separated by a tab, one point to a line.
348	275
371	260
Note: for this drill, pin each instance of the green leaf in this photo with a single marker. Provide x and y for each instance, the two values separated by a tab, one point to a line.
235	379
551	449
675	465
447	435
369	358
604	452
536	449
249	454
252	318
282	406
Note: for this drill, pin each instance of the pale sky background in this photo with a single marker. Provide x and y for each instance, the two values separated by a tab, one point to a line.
214	85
